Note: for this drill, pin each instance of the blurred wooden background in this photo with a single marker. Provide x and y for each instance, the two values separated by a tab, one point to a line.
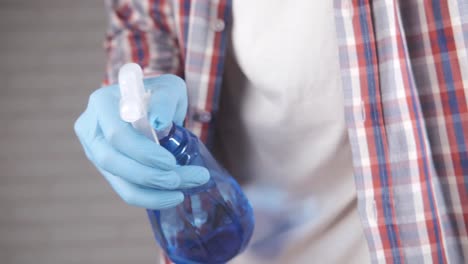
54	207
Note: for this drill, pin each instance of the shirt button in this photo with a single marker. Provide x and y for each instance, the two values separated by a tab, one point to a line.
363	112
371	208
218	25
202	116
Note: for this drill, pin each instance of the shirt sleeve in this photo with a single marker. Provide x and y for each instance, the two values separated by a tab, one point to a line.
142	32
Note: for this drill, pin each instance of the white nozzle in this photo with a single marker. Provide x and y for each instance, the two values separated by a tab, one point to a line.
133	99
132	92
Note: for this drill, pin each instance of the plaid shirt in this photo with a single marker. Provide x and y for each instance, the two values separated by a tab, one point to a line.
404	67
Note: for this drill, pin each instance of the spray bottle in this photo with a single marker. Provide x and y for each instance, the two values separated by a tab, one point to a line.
215	221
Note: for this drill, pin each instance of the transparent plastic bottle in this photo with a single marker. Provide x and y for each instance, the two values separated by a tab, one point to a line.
215	221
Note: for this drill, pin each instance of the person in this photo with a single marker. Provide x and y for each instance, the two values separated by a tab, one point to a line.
347	122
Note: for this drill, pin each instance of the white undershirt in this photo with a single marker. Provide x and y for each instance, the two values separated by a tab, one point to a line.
281	126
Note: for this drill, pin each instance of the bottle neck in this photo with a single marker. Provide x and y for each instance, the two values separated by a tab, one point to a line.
180	142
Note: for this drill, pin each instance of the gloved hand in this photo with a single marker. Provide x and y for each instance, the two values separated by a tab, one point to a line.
142	172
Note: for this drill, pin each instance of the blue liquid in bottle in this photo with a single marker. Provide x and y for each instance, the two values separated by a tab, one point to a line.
215	222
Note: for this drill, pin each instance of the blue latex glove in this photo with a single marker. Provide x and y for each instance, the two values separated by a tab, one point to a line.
142	172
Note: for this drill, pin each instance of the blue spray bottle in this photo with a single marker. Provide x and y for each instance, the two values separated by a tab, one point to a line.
215	221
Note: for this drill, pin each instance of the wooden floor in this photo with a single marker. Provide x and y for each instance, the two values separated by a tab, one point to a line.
54	207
